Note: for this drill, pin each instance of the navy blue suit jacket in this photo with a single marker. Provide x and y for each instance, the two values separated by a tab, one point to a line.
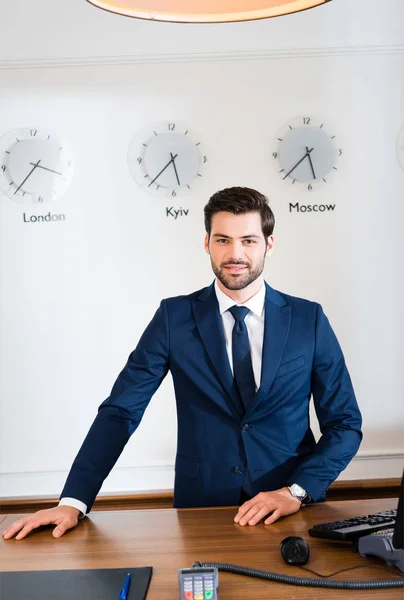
220	449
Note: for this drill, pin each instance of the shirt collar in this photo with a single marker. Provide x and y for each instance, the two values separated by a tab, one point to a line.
255	304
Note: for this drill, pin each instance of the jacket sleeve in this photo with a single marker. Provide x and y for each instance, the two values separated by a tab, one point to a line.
337	412
120	414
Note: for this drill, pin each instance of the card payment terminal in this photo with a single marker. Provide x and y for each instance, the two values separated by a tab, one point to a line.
198	583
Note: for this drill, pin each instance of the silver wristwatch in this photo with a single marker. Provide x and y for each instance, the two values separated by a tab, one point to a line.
298	492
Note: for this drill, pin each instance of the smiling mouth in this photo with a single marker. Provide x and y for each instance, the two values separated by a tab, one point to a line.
235	268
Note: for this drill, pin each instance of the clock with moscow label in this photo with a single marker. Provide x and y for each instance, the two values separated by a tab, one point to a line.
35	167
306	153
167	159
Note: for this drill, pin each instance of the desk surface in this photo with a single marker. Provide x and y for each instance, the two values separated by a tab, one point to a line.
171	539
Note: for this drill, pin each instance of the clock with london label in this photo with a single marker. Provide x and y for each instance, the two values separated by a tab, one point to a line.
35	166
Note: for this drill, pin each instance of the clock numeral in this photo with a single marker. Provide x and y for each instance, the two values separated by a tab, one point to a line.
339	152
33	132
3	168
309	187
171	126
174	193
205	158
40	199
306	120
69	163
274	154
139	159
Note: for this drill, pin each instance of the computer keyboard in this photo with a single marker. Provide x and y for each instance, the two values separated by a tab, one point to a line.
351	529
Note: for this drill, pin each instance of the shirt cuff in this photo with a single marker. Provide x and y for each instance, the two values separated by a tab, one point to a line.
75	504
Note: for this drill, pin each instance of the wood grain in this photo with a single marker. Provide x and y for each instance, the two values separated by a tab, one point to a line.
354	489
170	539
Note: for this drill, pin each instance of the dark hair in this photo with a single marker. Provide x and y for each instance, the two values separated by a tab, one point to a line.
239	201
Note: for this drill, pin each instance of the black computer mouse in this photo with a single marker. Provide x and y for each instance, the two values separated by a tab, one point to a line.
295	550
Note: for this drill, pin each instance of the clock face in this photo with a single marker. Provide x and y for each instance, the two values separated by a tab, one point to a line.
306	153
167	159
34	166
400	147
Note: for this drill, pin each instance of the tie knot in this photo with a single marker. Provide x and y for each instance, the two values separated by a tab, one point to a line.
239	313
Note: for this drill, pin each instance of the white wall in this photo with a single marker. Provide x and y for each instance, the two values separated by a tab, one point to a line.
73	303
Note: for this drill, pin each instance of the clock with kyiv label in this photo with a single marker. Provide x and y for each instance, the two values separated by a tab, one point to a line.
306	153
167	159
35	166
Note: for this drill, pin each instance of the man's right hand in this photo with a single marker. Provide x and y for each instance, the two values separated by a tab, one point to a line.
65	517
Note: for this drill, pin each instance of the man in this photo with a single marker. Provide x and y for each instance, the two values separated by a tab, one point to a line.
245	361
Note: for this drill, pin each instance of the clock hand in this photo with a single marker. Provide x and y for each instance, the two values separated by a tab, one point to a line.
175	168
311	164
30	173
163	169
298	163
46	169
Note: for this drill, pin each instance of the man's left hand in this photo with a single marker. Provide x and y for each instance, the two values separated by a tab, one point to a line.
279	502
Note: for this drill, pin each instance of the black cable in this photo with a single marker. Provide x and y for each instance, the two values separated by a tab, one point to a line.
304	581
352	568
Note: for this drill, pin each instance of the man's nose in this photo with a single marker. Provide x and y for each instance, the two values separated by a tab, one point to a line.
236	251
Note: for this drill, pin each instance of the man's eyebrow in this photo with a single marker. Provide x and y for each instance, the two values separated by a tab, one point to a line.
243	237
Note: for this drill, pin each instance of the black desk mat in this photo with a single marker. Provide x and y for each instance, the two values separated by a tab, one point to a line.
89	584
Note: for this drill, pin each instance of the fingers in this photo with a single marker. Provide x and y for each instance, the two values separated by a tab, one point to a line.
26	530
37	520
274	517
278	502
255	515
64	517
16	526
253	511
62	528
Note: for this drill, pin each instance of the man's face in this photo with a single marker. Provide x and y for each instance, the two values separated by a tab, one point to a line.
237	248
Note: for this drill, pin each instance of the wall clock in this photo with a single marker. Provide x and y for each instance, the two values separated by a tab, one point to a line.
400	147
35	167
306	153
167	159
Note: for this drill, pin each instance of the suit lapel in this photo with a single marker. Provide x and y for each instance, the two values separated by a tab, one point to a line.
210	328
276	331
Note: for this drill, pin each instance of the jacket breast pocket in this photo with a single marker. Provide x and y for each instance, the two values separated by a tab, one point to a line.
187	467
290	366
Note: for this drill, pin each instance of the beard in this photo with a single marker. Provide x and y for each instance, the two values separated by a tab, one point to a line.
238	281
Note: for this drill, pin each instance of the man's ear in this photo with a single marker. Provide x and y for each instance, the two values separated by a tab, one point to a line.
206	243
270	245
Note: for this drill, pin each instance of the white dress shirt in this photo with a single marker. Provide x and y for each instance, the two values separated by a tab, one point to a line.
254	321
255	327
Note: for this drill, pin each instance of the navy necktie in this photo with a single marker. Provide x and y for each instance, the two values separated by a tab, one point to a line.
242	365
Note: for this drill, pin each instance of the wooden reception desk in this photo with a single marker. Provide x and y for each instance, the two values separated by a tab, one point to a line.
170	539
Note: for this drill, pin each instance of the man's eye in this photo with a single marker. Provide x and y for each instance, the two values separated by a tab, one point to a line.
222	241
249	241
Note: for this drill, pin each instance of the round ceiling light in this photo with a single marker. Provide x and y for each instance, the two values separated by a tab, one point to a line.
205	11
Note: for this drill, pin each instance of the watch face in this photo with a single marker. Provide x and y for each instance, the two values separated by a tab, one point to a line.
297	491
34	166
306	153
167	159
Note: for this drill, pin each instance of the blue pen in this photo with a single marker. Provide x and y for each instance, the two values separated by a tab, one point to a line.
123	594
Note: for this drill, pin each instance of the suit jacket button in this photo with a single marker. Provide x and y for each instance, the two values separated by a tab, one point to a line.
237	470
245	427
